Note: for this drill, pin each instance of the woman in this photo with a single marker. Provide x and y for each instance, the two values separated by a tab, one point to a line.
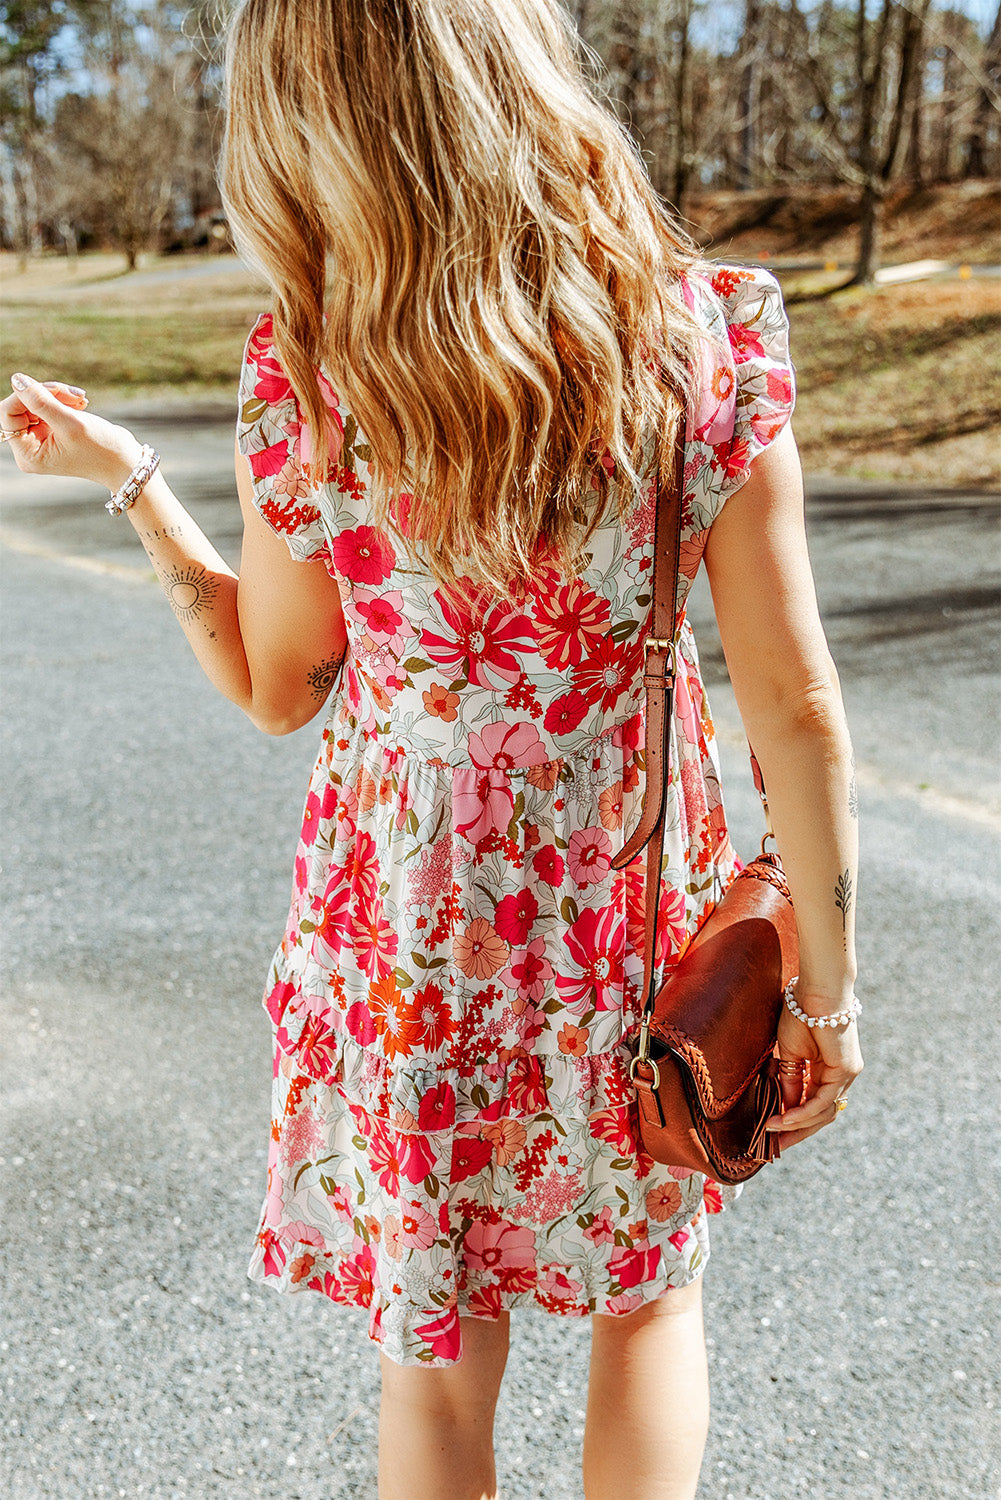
484	332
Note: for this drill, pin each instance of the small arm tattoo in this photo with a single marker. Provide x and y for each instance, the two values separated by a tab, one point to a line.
189	590
843	894
322	678
853	792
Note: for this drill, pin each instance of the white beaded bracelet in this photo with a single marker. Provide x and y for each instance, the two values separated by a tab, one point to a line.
123	499
836	1018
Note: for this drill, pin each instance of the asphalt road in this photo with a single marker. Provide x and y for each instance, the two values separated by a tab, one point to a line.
148	838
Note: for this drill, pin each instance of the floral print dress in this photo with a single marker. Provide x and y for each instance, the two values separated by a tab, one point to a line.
453	1125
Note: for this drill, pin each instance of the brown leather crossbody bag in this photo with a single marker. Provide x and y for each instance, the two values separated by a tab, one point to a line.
703	1056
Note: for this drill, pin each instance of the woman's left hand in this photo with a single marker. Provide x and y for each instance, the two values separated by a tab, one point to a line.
834	1060
52	434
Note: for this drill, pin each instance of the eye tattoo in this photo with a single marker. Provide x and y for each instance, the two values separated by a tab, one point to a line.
189	591
322	678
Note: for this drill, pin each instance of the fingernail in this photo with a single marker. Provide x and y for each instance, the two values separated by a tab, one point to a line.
20	382
76	390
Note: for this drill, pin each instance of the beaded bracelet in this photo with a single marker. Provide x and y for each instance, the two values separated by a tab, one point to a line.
126	497
836	1018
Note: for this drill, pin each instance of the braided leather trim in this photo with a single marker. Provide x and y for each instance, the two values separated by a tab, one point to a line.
694	1059
769	874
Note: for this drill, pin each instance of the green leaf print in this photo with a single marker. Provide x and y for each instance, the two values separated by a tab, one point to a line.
403	979
416	664
431	1185
364	452
569	910
253	411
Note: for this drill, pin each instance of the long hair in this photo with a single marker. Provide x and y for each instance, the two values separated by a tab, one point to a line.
461	233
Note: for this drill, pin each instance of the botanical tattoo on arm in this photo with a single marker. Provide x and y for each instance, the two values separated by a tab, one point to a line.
322	678
189	591
853	792
843	894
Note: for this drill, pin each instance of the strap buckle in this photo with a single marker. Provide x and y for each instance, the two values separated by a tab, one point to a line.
663	643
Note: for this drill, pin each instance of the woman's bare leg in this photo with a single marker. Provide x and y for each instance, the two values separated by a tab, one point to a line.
647	1401
436	1427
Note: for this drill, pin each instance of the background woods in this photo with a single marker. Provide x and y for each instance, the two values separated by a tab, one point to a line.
111	108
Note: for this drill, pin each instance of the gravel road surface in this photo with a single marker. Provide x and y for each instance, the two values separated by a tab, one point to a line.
148	839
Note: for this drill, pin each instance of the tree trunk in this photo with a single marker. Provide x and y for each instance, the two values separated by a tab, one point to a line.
869	227
976	144
682	121
748	98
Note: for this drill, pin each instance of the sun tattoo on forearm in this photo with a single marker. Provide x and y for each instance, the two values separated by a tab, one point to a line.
189	590
322	678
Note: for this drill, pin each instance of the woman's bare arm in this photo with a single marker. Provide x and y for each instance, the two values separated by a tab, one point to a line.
268	638
789	696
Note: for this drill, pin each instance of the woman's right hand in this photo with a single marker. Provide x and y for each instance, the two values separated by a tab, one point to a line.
834	1058
54	435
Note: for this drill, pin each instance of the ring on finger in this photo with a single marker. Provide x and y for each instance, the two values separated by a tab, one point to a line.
840	1104
6	436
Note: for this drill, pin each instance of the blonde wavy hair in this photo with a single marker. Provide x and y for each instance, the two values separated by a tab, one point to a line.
462	234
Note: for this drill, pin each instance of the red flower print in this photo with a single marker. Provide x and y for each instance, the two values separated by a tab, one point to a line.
633	1267
679	1239
360	1024
442	1335
480	648
270	460
363	555
712	1197
527	971
514	916
726	281
485	1302
507	747
274	1252
733	456
469	1156
568	622
373	941
611	669
310	819
384	1157
615	1126
278	1000
416	1156
358	1275
440	703
565	713
378	614
547	863
589	856
437	1108
316	1050
594	945
431	1019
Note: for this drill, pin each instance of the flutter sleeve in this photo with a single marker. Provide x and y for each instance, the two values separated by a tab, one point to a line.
764	393
273	439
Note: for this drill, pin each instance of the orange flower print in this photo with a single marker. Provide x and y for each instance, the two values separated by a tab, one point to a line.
507	1137
366	790
573	1040
441	704
723	381
663	1201
610	806
479	952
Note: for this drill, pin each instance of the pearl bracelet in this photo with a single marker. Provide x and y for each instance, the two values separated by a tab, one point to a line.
836	1018
121	500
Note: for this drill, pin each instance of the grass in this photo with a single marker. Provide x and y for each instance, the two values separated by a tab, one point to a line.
894	382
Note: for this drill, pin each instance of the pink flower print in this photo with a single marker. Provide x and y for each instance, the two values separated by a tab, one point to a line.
572	1040
548	864
360	1024
374	942
363	555
431	1018
481	647
291	481
269	460
478	950
488	1247
625	1302
693	791
418	1228
679	1239
274	1202
514	916
557	1284
589	856
507	747
357	1275
470	1155
766	426
273	1256
744	342
681	1174
531	1022
437	1108
778	384
684	707
528	970
565	713
601	1230
507	1138
378	614
594	946
298	1233
310	820
480	804
360	870
392	1236
693	544
383	1157
674	917
442	1335
663	1201
278	1000
635	1266
345	813
416	1157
